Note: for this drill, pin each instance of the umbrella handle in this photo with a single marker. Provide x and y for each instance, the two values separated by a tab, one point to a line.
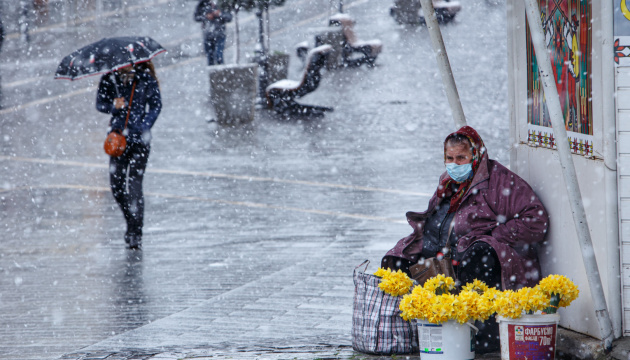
113	78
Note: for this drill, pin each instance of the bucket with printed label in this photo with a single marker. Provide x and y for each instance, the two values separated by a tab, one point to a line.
529	337
447	341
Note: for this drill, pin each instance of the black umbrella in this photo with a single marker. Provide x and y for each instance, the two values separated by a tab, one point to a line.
107	55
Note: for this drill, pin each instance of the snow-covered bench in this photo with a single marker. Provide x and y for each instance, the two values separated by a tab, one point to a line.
301	50
445	11
369	48
407	11
327	35
281	95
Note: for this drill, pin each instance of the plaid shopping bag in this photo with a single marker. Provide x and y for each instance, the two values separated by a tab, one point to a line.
377	327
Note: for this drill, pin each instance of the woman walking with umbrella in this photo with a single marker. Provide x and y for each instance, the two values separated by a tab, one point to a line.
130	92
126	95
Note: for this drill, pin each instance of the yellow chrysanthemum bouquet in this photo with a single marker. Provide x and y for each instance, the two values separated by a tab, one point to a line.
560	290
551	292
434	302
394	283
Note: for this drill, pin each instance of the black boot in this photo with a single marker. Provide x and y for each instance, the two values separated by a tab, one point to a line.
135	242
487	338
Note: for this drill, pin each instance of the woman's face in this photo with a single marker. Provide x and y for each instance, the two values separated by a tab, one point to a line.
459	154
127	74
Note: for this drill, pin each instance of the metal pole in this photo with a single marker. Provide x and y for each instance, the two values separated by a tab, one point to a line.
237	39
23	22
261	32
568	170
341	6
443	63
610	171
262	57
112	78
267	30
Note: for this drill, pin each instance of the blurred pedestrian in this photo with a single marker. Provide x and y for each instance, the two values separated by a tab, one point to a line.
127	171
1	33
213	21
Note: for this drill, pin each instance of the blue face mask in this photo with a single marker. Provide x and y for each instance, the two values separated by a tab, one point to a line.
459	173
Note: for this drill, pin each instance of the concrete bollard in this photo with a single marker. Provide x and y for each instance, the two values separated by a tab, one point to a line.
406	11
233	92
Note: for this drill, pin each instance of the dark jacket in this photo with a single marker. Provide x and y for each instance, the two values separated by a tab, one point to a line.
215	26
146	95
500	209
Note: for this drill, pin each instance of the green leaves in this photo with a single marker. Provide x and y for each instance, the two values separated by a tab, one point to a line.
553	305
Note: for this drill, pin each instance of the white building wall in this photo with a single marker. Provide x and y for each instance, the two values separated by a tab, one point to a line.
541	168
622	85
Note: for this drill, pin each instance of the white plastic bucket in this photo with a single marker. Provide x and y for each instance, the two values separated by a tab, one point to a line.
530	337
448	341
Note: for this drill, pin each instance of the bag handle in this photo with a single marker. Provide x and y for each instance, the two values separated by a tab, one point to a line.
472	327
354	273
133	90
365	262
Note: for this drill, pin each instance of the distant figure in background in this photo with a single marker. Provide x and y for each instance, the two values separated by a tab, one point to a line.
127	171
1	34
213	22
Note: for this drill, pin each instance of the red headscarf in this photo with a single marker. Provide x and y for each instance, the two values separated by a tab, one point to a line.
478	150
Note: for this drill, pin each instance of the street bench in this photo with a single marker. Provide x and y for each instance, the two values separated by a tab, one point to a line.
323	35
445	10
407	11
369	49
281	95
301	50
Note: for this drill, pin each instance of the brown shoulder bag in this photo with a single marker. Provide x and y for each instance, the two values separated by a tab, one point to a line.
434	266
115	143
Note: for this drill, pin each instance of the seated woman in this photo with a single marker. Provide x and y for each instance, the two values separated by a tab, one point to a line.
485	216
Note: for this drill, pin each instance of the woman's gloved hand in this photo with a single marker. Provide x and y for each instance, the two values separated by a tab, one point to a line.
119	103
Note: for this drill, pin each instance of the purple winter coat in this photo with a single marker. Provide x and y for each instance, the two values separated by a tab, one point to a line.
500	209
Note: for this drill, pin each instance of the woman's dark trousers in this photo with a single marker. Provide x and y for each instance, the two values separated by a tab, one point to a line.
213	45
125	175
480	262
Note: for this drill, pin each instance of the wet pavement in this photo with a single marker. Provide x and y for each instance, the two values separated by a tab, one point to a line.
251	232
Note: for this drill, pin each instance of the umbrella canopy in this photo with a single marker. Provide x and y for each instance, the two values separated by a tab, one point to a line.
107	55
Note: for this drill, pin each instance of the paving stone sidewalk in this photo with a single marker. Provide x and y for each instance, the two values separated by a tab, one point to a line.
304	306
300	312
